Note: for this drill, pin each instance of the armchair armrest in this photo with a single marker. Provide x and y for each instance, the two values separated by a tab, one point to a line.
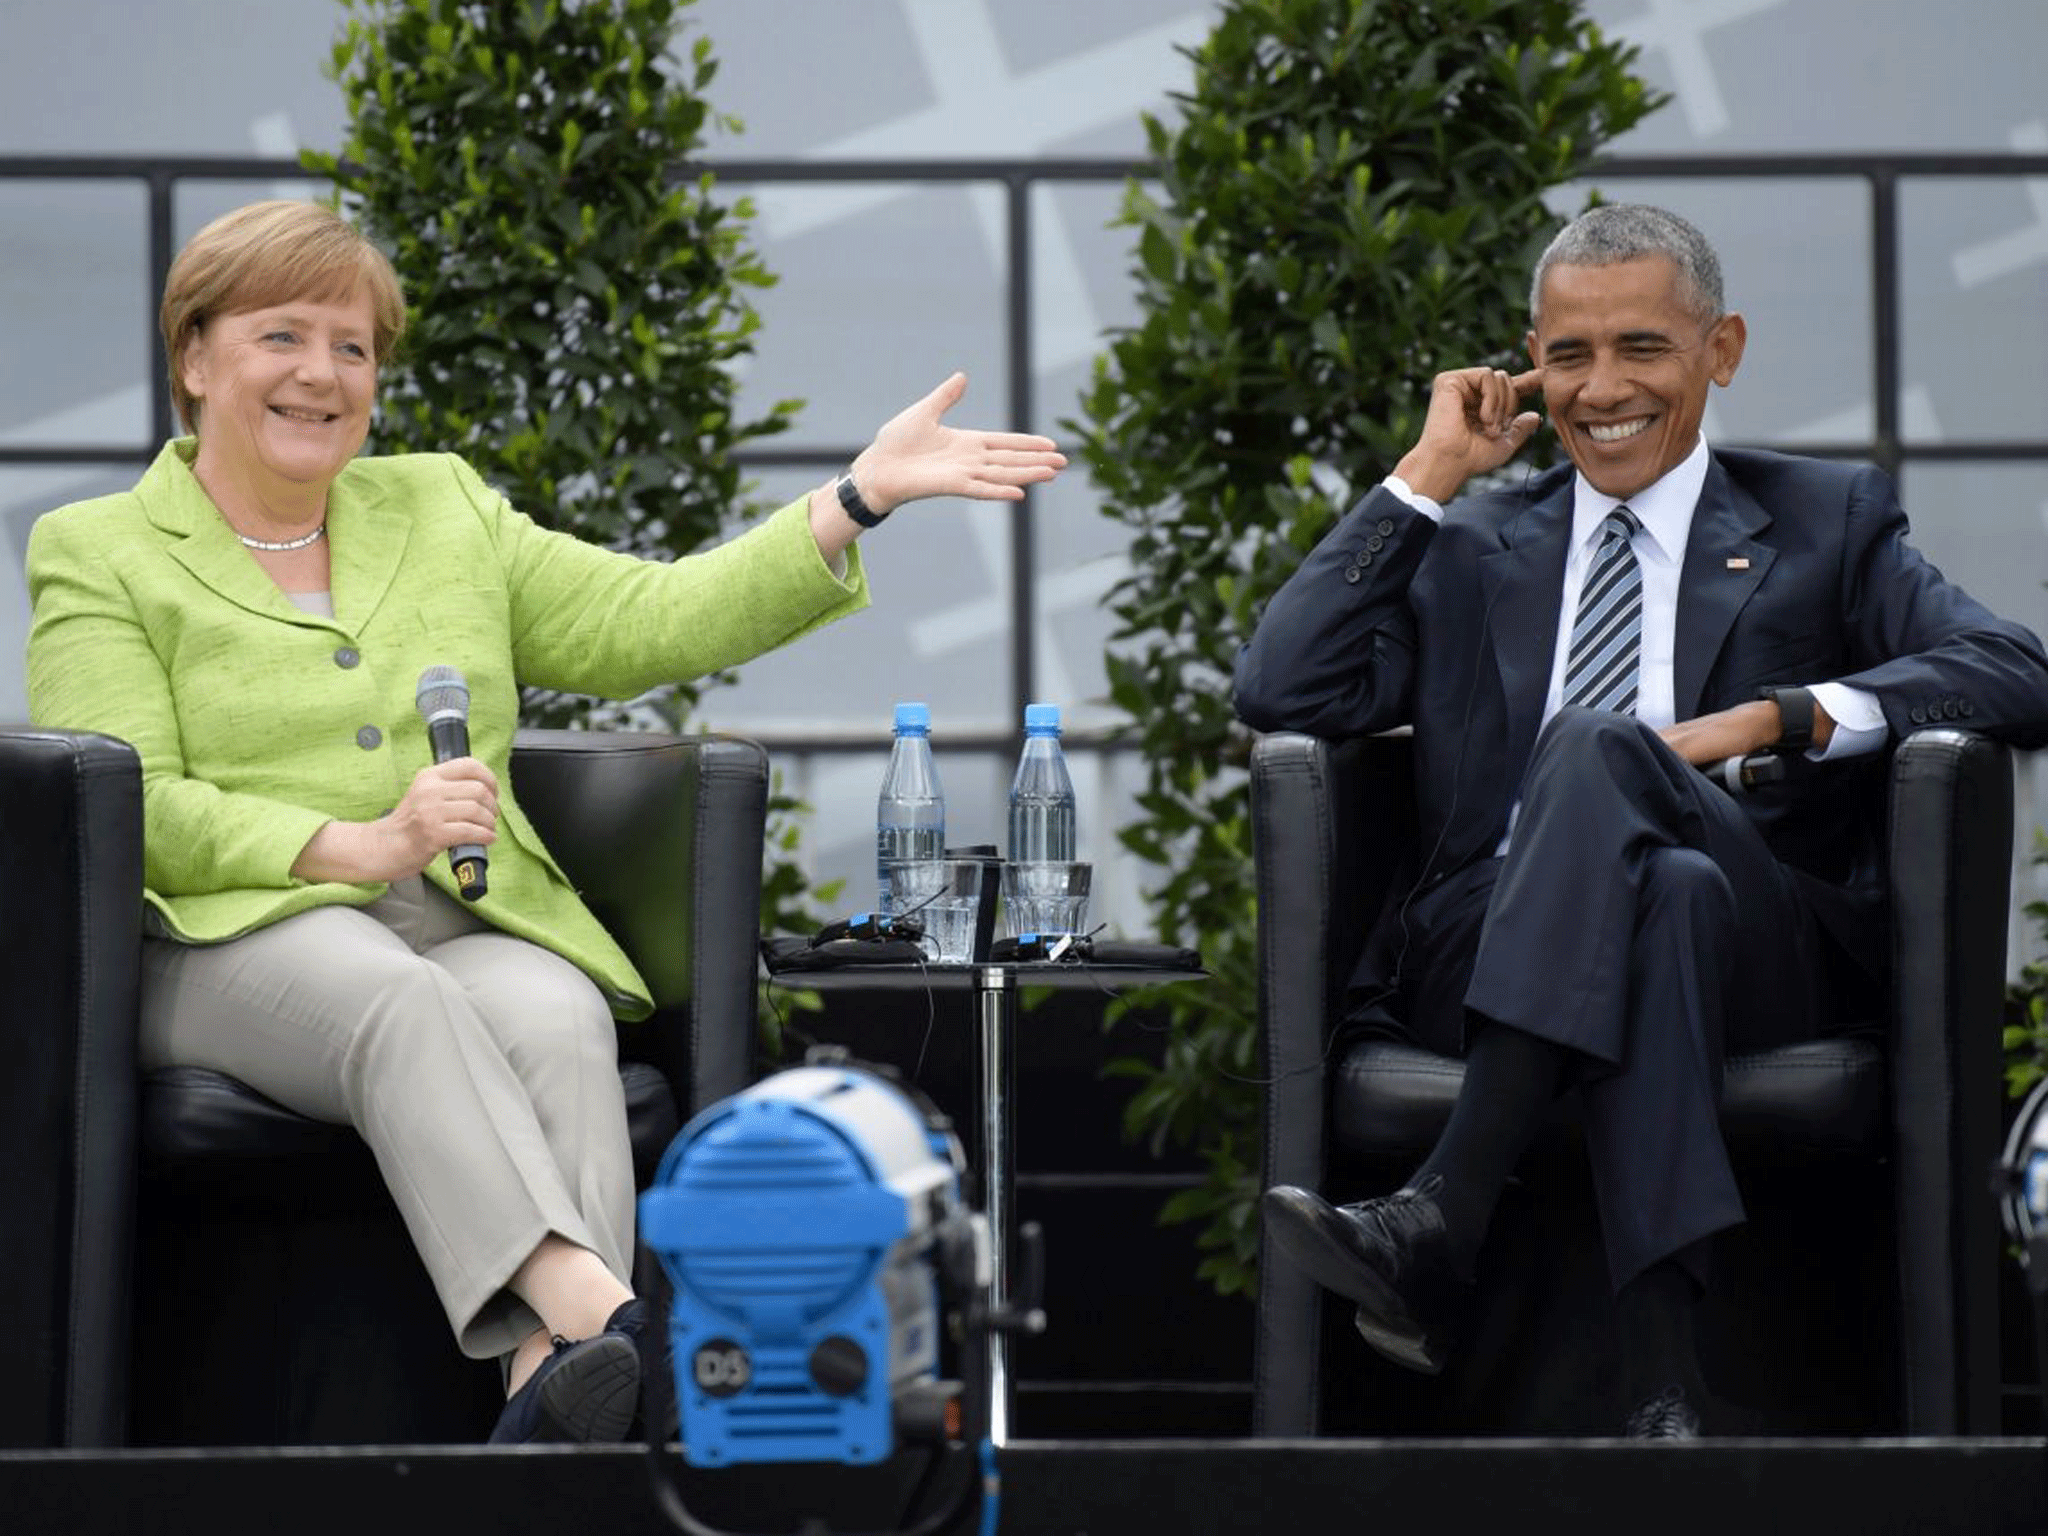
1324	864
71	912
1950	835
663	836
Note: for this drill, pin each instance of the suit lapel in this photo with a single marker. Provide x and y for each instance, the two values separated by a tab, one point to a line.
1724	564
366	544
200	539
367	538
1522	587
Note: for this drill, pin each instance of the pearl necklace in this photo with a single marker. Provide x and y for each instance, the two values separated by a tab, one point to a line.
278	548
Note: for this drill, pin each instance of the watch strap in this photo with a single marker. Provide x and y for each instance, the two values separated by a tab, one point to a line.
1795	714
858	510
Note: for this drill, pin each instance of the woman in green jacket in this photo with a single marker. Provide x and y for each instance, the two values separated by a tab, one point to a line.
254	618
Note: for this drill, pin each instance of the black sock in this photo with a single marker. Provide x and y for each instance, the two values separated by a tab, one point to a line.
1510	1079
1656	1313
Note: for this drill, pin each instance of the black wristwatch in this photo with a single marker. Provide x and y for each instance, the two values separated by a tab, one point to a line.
858	510
1795	713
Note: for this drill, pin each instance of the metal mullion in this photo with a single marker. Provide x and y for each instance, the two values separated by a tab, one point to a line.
161	413
1023	540
1884	317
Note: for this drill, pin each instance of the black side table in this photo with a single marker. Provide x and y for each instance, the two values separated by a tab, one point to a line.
993	987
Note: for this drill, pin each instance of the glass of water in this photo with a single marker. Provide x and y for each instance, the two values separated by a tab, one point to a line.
945	896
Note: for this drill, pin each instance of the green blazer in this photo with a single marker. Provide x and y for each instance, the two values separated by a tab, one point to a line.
257	722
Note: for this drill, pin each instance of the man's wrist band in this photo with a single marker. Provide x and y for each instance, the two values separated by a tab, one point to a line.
858	510
1795	715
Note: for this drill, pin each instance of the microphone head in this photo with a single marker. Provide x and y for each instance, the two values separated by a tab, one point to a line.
443	694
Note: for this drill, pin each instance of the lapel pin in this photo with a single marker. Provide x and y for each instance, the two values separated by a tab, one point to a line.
1738	562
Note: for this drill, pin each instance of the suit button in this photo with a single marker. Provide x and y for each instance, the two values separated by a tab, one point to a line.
1364	561
1969	709
1352	573
1951	709
347	657
1375	543
369	738
1386	527
1917	715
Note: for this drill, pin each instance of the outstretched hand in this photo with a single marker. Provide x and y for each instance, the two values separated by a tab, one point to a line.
916	455
1473	428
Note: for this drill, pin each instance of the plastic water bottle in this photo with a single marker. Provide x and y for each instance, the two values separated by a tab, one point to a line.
1042	794
910	814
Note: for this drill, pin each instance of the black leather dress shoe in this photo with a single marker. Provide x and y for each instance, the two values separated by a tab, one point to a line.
1391	1255
582	1392
1669	1415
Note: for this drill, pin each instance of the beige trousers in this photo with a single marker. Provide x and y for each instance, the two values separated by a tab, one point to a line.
481	1070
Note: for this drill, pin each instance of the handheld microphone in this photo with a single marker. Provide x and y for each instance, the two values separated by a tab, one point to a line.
443	700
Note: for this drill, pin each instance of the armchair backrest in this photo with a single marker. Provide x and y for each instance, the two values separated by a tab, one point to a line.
623	813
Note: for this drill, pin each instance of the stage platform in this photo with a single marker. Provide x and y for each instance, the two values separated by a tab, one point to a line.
1065	1488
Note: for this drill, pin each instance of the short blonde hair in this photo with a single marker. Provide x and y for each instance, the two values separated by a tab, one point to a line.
270	253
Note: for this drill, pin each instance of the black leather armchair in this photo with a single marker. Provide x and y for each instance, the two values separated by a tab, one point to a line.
1870	1257
190	1263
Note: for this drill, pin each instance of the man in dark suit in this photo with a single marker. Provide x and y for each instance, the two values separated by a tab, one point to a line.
1571	650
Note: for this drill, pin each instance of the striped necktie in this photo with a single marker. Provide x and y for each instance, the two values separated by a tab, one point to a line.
1600	672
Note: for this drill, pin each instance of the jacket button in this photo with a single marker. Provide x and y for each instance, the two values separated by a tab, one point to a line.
1352	573
1917	715
1951	709
1386	527
1364	561
1969	709
1375	543
369	738
347	657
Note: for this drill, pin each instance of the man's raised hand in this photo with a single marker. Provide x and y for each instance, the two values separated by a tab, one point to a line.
1475	424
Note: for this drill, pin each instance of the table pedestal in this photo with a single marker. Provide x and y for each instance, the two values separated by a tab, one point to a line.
993	988
995	1007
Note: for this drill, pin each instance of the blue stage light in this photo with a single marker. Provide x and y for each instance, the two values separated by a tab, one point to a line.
806	1225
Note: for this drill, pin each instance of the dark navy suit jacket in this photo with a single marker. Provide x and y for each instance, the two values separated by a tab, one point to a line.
1797	571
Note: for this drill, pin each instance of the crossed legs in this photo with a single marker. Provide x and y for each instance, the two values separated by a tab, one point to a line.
479	1069
1636	928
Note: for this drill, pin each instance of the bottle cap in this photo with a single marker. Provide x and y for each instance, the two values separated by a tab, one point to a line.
1041	719
914	718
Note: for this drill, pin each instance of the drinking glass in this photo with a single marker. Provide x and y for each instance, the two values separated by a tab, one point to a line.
1046	896
945	896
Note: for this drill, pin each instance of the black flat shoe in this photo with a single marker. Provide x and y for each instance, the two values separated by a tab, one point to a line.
1391	1255
634	1321
586	1391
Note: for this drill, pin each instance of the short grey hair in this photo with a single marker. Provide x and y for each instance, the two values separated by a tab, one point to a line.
1616	232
